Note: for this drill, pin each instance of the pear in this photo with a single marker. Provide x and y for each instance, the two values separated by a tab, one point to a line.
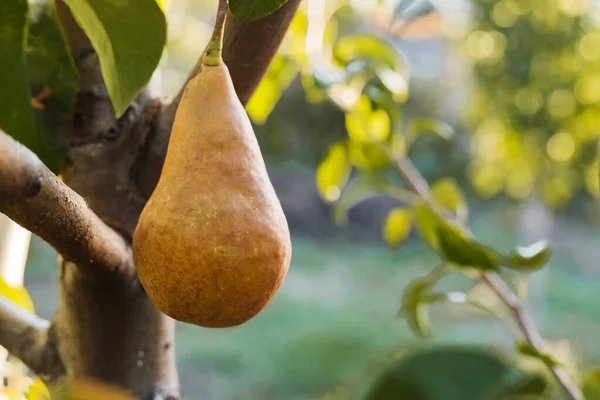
212	245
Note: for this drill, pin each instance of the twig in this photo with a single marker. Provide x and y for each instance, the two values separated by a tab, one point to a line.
36	199
524	322
530	332
29	338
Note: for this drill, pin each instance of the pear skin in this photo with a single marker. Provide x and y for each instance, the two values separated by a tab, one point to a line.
212	245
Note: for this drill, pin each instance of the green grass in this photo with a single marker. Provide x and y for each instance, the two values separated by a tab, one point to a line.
335	319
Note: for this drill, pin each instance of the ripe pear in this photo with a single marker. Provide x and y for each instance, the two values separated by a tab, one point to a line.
212	245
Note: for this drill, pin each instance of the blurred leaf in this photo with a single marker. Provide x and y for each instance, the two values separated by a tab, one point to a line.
527	387
89	389
129	48
38	391
451	242
426	222
251	10
333	172
278	78
397	226
368	156
395	82
16	113
528	258
364	127
447	194
338	393
591	384
530	350
363	186
449	372
418	126
17	295
459	249
369	48
414	300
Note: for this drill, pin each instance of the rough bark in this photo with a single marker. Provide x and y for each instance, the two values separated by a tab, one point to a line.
106	327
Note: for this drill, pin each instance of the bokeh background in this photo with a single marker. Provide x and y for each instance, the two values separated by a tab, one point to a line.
517	84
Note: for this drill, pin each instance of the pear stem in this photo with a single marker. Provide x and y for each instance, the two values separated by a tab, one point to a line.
212	55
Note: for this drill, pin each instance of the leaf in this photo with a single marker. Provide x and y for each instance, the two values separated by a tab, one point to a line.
530	350
16	113
53	80
333	172
17	295
591	384
38	391
528	387
360	188
397	226
367	47
447	194
129	37
368	156
278	78
414	300
426	222
528	258
443	372
450	242
251	10
418	126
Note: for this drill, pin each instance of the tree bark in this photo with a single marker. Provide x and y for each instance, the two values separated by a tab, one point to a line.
106	327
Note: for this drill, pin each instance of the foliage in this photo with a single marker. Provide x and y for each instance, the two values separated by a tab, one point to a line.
365	76
534	109
37	79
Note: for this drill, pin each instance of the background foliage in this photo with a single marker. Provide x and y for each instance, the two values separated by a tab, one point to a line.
508	117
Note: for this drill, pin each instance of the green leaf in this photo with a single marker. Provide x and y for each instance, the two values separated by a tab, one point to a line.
528	258
397	226
449	240
368	156
251	10
415	299
459	249
420	126
53	80
447	194
129	37
333	172
591	384
456	372
45	70
526	387
278	78
367	47
360	188
527	349
16	113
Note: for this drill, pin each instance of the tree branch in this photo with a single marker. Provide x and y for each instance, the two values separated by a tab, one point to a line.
415	181
30	339
248	49
36	199
530	332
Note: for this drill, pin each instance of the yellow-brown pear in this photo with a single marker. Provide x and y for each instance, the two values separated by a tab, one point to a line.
212	245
